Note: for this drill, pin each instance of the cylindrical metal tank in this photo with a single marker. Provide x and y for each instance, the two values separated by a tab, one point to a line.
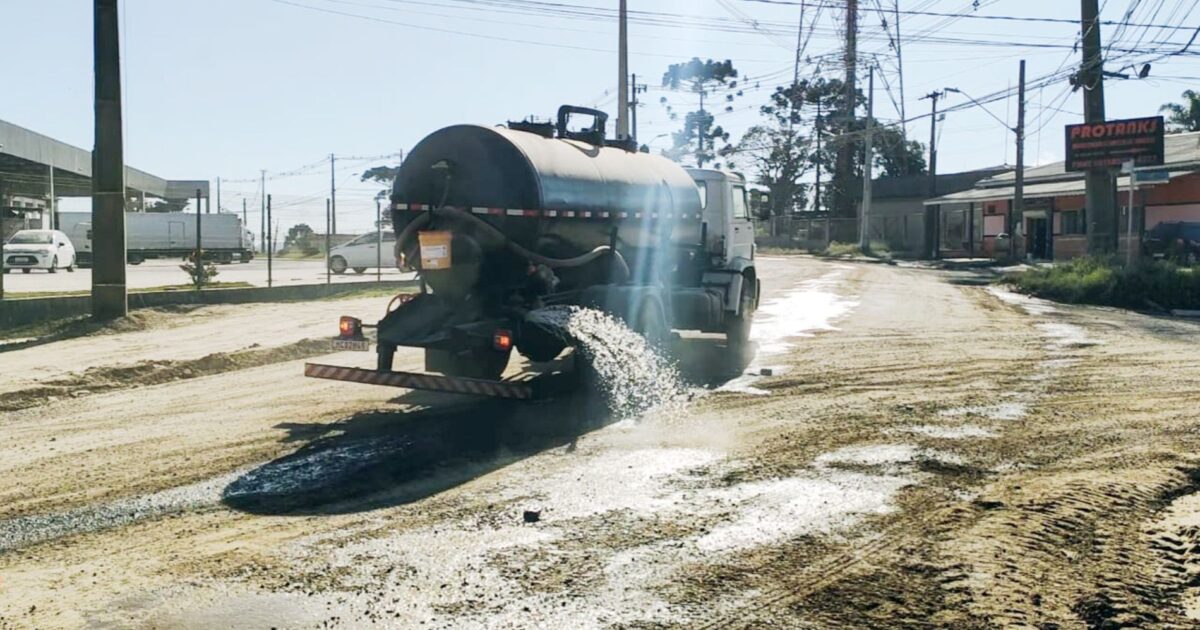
558	198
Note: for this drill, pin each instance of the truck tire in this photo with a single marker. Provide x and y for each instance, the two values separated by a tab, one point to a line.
737	333
135	259
360	270
337	265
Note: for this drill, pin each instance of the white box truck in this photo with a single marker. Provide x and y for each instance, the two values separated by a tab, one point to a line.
166	235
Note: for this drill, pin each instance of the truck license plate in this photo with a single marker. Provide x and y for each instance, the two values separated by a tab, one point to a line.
355	345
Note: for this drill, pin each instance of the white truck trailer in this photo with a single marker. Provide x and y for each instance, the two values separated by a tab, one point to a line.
166	235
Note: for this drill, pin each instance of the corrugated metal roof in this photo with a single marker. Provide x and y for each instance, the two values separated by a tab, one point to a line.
1034	191
1179	150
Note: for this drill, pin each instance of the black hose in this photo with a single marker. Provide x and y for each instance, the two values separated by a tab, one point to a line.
490	230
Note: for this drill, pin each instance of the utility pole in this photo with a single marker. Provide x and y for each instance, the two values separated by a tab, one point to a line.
843	204
328	220
864	235
932	213
378	243
623	70
262	212
1101	191
817	186
270	243
700	133
1017	216
108	168
900	67
218	195
244	223
633	106
198	255
332	194
52	207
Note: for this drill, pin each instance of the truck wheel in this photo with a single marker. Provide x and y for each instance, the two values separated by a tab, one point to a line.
136	260
737	334
337	264
360	270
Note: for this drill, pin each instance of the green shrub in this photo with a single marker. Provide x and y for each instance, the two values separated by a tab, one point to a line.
1097	280
879	249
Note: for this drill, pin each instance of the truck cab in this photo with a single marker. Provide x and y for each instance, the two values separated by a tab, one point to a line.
729	227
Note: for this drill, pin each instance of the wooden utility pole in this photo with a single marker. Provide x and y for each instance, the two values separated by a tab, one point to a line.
108	169
1100	185
864	235
1017	216
623	71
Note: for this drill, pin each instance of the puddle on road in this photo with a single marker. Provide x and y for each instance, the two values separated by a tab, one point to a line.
808	308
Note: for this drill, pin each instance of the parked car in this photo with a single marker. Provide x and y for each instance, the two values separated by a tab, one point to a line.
361	253
1174	240
39	249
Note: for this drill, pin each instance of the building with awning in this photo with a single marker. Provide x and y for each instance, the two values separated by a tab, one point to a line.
36	170
1056	219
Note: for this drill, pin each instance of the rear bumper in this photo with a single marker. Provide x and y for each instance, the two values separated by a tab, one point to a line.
412	380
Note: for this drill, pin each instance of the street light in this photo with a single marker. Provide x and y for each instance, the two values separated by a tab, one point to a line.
981	106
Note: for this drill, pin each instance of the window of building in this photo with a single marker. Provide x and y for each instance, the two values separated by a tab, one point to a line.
1072	222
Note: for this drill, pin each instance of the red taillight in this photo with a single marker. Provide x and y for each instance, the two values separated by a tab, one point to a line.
350	327
502	340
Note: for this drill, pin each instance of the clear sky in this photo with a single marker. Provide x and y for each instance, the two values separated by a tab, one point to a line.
228	87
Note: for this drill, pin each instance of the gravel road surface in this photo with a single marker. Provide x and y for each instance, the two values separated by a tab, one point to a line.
925	451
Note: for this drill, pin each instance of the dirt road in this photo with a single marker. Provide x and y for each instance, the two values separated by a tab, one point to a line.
926	452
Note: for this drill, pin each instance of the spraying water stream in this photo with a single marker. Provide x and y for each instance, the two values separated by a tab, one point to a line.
633	376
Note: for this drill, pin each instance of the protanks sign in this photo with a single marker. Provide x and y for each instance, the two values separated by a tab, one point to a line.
1110	144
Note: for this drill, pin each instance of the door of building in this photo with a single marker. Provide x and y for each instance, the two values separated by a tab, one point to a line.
1037	245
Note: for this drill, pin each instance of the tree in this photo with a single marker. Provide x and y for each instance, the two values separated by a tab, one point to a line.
1186	117
300	237
783	150
384	175
700	134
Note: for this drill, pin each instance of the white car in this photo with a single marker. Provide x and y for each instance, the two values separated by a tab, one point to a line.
39	249
363	253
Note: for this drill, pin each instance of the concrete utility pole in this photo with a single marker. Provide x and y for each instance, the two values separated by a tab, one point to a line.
932	213
900	68
218	195
844	166
262	212
378	242
270	244
332	194
52	206
108	169
198	256
244	224
864	234
1017	216
700	133
1101	188
328	220
623	69
817	166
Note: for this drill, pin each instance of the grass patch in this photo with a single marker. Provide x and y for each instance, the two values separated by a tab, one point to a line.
1104	281
878	249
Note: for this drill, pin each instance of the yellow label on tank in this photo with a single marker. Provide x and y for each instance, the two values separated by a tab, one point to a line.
435	249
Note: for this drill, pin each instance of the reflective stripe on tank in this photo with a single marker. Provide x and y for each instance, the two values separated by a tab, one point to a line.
569	214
